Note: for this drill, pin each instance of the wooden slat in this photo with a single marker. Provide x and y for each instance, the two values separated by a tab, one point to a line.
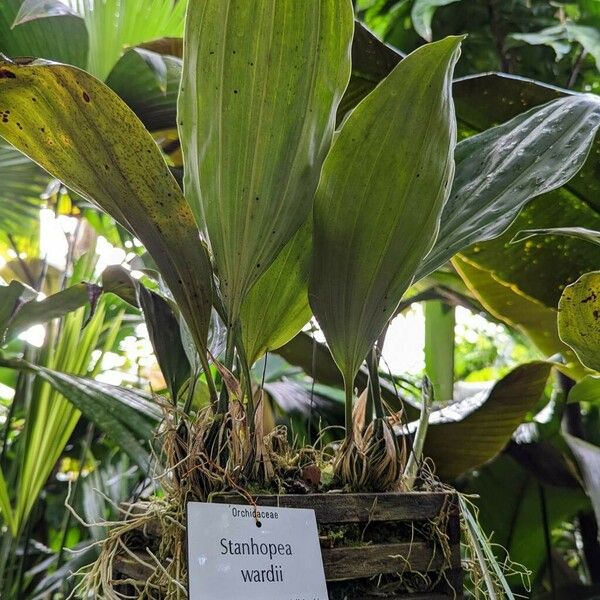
357	562
356	508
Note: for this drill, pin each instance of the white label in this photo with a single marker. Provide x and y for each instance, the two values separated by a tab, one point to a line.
256	554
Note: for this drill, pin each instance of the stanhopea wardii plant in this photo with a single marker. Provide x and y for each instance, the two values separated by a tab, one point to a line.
282	216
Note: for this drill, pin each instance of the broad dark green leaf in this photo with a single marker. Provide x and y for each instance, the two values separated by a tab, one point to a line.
579	318
62	38
260	89
469	433
163	329
372	61
541	268
499	170
166	335
85	135
422	14
379	200
149	84
276	307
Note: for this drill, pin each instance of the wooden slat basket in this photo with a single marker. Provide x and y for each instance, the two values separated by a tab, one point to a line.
395	546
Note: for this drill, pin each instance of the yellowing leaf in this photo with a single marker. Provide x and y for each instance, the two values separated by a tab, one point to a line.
82	133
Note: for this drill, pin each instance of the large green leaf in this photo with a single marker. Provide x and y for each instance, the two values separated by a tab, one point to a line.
62	37
471	432
499	170
277	307
378	204
149	84
520	311
85	135
541	268
372	60
579	318
260	89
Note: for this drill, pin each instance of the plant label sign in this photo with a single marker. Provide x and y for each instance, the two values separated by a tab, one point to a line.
261	553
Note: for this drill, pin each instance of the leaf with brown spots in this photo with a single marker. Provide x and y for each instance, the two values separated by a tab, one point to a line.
82	133
579	318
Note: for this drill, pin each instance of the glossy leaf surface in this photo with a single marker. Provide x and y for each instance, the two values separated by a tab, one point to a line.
499	170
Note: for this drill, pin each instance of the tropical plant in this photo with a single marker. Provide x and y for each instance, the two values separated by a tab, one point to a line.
361	264
278	222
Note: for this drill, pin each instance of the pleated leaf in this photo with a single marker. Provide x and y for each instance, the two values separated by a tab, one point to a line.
81	132
261	85
579	318
277	306
379	201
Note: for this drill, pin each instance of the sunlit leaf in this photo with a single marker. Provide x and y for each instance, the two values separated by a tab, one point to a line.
85	135
381	193
260	89
115	25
